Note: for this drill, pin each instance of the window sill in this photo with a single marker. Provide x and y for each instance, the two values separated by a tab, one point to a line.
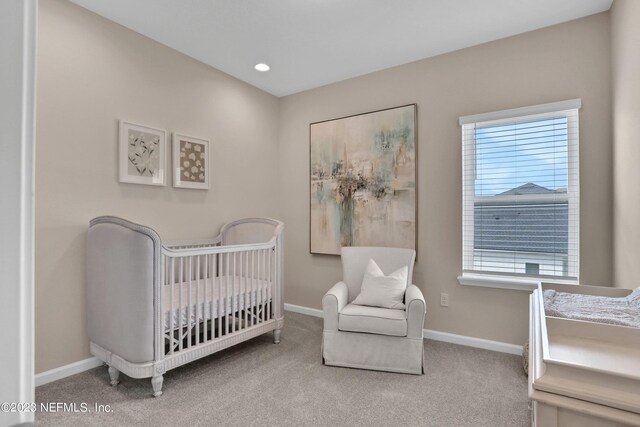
506	282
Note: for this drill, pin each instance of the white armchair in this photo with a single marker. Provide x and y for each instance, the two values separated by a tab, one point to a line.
376	338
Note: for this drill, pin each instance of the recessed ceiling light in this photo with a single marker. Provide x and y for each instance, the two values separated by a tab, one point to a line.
262	67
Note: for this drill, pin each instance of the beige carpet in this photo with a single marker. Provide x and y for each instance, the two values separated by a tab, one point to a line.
260	383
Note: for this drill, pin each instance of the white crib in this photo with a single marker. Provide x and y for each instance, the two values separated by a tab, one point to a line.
153	306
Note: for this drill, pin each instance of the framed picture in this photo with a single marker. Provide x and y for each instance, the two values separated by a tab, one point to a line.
363	181
191	162
141	154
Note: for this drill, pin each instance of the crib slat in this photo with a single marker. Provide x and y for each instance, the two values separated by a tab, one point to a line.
272	289
258	276
214	276
165	286
264	287
247	301
180	281
257	288
203	297
269	284
240	288
172	279
239	292
219	281
205	301
264	278
189	326
251	283
205	270
212	279
258	284
272	254
197	300
203	278
233	295
265	283
260	300
207	274
227	309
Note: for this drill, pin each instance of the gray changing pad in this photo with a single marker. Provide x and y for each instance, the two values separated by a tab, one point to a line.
614	311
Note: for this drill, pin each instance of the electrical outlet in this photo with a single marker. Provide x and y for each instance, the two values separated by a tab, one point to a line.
444	300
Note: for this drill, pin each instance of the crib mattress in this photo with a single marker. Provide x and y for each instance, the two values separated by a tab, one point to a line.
243	293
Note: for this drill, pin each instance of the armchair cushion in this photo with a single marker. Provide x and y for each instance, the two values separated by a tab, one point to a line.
383	291
373	320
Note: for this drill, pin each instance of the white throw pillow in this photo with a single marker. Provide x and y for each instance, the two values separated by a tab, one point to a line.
383	291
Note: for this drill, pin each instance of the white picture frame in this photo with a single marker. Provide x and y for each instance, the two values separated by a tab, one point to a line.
191	162
142	154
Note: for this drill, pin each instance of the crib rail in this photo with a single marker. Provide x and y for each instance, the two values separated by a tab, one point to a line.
187	249
212	291
190	244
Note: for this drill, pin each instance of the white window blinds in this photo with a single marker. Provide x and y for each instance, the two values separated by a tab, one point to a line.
521	191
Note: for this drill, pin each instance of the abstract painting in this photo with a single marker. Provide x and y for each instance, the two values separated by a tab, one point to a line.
142	154
191	163
363	181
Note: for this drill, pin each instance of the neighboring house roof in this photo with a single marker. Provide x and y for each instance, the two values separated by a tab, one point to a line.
530	188
527	227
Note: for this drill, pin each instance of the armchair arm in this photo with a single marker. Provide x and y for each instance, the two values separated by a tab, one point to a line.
332	302
416	309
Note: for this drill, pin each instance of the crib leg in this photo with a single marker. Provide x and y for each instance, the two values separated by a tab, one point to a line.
114	374
156	383
276	336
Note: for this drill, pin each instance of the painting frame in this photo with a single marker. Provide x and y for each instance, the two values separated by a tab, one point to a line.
409	114
148	145
203	178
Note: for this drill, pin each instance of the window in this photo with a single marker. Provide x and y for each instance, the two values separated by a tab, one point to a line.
521	192
532	268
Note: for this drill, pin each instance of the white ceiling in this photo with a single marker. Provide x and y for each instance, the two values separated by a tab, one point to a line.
310	43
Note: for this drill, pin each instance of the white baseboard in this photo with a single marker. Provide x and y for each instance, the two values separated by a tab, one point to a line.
303	310
67	370
501	347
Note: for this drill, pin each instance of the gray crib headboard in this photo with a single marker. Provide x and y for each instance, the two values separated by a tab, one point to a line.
122	276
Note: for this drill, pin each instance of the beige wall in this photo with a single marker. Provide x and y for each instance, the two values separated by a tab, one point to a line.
92	72
561	62
625	63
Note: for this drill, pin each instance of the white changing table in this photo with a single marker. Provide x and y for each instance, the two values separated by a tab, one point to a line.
582	373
